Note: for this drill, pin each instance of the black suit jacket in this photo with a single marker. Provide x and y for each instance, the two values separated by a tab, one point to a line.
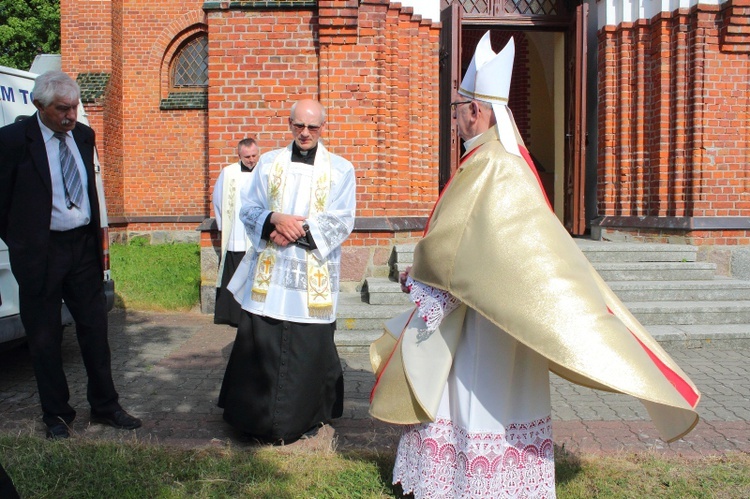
26	197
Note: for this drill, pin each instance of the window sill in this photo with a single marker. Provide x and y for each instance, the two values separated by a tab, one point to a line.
185	100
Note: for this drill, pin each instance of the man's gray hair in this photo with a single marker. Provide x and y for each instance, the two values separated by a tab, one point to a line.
487	107
55	84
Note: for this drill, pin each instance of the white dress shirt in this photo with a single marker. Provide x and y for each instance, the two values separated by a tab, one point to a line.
62	217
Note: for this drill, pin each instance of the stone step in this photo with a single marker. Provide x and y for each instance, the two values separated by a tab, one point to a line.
656	271
668	336
371	317
404	250
396	269
363	316
602	251
635	271
700	335
384	291
402	256
691	313
679	299
350	298
718	289
356	340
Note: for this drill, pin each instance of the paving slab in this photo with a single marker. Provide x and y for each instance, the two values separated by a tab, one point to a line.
168	368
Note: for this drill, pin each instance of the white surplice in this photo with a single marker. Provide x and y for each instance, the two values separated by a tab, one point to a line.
492	436
287	296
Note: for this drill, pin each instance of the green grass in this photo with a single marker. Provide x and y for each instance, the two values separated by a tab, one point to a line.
156	277
652	476
84	468
90	469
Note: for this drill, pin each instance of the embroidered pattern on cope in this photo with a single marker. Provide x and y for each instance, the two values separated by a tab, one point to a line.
441	460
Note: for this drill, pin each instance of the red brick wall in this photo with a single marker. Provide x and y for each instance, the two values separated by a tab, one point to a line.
258	61
673	123
164	152
373	65
155	162
112	140
86	35
377	79
382	95
374	68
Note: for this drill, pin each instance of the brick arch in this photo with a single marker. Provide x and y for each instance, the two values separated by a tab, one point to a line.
170	40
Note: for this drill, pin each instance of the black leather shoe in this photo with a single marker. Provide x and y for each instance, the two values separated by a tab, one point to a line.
117	419
58	431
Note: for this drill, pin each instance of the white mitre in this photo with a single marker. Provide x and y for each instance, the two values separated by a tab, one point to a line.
488	79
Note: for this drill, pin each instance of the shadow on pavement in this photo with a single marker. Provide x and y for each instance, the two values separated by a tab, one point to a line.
168	369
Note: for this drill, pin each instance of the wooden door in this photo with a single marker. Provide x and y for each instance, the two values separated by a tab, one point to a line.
574	216
450	74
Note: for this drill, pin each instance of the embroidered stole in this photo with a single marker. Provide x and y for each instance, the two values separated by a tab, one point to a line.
229	198
319	297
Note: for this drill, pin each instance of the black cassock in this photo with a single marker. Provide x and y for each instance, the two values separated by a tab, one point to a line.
227	310
283	378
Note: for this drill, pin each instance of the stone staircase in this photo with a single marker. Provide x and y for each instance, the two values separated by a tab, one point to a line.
681	301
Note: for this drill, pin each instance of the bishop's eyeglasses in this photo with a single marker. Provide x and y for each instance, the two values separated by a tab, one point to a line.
457	103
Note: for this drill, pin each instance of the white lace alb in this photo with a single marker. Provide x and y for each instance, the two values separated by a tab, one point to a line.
433	304
442	460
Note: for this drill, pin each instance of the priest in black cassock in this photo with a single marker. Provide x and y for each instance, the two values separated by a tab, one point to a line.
284	378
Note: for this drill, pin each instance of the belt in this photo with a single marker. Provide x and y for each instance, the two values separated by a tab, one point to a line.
78	231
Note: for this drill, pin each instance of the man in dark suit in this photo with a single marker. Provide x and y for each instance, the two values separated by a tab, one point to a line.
49	218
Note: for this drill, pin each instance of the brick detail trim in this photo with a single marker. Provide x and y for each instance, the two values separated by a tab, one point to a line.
672	136
734	34
338	21
258	4
170	40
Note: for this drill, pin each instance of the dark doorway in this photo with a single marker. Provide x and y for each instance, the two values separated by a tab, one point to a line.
546	97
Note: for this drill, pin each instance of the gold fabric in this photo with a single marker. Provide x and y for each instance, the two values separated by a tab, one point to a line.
493	243
406	336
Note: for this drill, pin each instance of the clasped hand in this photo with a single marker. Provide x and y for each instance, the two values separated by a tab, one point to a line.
288	228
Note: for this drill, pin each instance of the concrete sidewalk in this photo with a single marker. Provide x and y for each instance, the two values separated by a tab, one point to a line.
168	369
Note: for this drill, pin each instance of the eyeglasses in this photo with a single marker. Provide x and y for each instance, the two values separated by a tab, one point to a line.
459	102
301	126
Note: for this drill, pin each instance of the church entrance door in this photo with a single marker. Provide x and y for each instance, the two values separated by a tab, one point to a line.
547	93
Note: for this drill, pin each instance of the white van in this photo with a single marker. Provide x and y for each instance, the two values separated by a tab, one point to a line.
16	104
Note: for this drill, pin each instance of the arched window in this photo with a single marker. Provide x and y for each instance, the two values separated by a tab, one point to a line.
190	65
188	75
